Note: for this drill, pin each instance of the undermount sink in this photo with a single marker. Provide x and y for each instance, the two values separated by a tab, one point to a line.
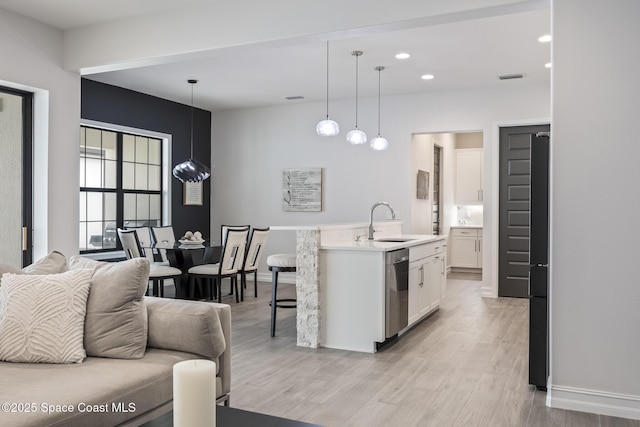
393	239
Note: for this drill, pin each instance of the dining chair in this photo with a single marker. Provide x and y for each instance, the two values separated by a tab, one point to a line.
257	241
224	228
231	260
158	272
165	235
145	240
223	236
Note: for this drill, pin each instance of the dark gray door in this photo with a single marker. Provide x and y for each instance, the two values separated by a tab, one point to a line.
515	167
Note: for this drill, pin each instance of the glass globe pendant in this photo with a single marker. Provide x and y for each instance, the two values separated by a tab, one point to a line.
327	127
379	143
356	136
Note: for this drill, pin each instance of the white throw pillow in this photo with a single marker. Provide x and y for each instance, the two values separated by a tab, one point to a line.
42	317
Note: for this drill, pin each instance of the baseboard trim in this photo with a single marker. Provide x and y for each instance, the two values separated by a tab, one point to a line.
594	401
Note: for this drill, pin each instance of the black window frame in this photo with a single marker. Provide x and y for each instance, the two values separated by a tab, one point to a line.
120	192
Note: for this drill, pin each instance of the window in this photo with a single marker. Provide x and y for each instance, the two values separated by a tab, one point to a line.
120	185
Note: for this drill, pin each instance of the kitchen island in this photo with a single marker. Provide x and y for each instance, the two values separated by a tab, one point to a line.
340	282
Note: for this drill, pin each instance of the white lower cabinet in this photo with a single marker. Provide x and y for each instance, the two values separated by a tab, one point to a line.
427	279
466	247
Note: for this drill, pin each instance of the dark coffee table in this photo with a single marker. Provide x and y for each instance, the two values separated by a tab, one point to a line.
232	417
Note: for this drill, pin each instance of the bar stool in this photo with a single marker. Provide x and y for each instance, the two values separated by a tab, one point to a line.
279	263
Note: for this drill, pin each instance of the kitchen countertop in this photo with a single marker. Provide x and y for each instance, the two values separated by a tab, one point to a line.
346	226
375	246
466	226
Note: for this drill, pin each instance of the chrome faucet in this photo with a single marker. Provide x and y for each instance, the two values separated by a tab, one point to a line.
375	205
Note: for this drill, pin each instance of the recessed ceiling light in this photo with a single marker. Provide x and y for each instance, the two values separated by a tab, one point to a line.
427	77
548	65
545	39
403	55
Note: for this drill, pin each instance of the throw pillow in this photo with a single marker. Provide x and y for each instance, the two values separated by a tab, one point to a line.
53	263
116	323
42	317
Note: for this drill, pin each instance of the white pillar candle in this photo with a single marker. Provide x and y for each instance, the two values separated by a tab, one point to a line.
194	393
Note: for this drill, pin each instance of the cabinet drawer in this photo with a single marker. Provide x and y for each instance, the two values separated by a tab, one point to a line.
469	232
419	252
438	247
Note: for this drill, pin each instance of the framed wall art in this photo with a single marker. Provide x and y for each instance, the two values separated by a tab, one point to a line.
422	187
302	190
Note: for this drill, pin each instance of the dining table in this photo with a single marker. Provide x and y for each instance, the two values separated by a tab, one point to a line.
184	255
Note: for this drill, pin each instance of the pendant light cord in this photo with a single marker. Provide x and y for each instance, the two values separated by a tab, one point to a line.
379	68
192	83
379	71
327	79
356	53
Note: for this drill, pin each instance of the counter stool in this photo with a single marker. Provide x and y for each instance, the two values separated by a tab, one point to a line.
279	263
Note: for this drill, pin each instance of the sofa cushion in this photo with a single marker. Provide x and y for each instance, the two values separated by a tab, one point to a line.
116	323
182	325
99	390
42	317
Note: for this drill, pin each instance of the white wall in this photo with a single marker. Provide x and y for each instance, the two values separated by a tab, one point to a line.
252	146
595	294
32	58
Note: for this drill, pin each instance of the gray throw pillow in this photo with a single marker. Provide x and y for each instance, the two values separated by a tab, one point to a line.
52	263
116	322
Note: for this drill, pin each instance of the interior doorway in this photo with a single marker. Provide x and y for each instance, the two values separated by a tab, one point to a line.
436	216
16	148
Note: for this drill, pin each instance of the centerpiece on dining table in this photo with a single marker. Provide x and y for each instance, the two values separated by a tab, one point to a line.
191	239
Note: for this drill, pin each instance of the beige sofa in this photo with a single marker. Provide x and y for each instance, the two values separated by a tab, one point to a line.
129	389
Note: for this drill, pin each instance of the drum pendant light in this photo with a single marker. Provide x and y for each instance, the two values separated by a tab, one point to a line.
356	136
327	127
379	143
191	170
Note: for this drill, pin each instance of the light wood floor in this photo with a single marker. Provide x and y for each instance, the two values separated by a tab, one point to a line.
466	365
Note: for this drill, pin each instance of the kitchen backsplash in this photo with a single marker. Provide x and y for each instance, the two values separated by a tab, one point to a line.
469	215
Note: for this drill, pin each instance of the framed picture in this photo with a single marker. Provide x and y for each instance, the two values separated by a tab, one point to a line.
192	193
302	190
422	191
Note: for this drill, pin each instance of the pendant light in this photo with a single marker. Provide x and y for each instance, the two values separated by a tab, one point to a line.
379	143
356	136
327	127
191	170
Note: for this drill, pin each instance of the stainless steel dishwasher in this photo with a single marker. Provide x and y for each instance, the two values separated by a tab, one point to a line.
396	291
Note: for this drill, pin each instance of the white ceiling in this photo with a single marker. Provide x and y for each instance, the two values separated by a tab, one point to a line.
461	55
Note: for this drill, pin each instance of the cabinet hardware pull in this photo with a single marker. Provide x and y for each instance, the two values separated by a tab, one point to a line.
25	245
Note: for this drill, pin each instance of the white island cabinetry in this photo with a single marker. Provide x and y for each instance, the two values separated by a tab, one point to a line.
427	279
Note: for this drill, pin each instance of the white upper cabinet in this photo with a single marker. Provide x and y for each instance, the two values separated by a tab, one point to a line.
468	176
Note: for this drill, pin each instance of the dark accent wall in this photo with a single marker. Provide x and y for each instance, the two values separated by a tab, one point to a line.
112	104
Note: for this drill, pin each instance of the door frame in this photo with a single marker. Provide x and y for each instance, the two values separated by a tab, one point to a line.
491	263
27	170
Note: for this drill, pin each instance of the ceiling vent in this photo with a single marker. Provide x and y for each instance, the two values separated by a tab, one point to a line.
511	76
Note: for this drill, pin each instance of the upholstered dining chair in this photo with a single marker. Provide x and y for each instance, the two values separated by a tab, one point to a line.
257	241
163	235
231	260
145	240
158	272
223	236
